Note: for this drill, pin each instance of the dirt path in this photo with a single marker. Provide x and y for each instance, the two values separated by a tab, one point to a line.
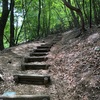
75	70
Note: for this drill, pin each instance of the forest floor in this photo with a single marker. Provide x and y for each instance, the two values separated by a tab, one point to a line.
74	71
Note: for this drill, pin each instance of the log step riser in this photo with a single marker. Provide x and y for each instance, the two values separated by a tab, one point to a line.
34	67
35	80
42	50
44	47
25	97
49	45
28	60
38	54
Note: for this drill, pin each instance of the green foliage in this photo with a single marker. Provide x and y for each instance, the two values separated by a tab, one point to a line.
55	17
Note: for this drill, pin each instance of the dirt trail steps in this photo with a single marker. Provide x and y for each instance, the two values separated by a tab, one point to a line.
32	79
25	97
30	66
37	55
35	59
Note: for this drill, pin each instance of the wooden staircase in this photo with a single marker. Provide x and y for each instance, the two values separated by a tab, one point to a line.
37	55
30	66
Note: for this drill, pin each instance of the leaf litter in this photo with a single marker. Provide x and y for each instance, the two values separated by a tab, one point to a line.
74	71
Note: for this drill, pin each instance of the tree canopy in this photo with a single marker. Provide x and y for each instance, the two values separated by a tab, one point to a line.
26	20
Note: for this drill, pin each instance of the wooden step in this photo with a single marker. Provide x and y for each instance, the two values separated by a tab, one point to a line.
29	66
42	50
35	59
48	44
32	79
38	53
25	97
44	47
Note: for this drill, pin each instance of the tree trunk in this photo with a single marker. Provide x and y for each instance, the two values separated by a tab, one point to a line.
43	18
90	15
12	40
49	16
95	12
39	14
24	11
3	21
78	11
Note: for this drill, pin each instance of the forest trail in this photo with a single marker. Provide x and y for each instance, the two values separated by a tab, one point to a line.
73	66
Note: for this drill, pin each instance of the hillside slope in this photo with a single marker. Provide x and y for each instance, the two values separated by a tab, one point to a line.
75	70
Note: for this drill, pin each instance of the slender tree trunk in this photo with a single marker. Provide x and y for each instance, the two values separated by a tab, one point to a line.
49	16
95	12
3	21
24	11
78	11
16	28
43	18
90	15
46	25
12	40
39	15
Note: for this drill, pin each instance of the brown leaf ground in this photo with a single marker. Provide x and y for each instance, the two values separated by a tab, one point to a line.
75	70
